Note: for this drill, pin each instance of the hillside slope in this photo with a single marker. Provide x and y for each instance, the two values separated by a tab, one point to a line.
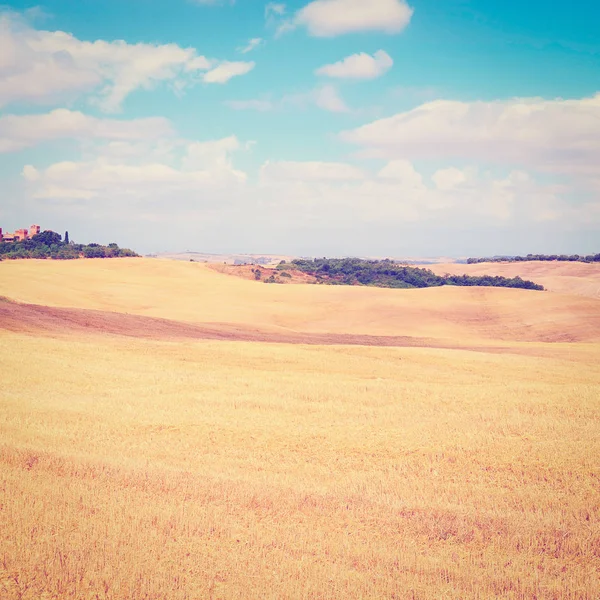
196	294
581	279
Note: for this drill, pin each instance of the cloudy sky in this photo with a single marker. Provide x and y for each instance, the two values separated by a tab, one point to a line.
331	127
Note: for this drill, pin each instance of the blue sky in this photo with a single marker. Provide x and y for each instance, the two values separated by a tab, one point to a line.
309	127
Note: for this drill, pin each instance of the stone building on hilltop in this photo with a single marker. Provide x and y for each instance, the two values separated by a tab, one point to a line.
20	234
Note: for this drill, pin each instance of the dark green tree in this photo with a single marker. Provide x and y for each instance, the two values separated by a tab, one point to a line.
94	251
47	238
66	237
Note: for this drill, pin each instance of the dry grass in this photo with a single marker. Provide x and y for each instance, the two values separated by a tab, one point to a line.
138	469
582	279
143	469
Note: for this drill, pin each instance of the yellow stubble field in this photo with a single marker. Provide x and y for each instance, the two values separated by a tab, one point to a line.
138	468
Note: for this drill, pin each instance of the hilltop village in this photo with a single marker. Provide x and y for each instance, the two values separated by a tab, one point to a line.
19	235
34	243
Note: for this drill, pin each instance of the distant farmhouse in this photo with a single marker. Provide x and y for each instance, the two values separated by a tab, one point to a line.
20	234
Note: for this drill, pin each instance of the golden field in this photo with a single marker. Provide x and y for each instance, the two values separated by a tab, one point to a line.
139	459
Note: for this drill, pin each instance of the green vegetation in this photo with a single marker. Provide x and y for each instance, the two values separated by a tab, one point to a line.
590	258
49	244
386	273
272	279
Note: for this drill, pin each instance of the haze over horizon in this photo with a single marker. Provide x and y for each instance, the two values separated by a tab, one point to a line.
324	127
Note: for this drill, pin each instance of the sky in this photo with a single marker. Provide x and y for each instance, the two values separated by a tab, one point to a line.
315	128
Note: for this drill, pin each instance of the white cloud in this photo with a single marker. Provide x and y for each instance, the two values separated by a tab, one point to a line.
156	179
193	173
562	136
328	18
214	155
251	45
49	66
447	179
311	171
403	172
30	173
328	98
359	66
316	191
23	131
226	70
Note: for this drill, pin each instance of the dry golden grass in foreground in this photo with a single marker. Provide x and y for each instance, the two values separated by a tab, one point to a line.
138	469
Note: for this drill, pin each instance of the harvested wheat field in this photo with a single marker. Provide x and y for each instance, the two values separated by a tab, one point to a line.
170	432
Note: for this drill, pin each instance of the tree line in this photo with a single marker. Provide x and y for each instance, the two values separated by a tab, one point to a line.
49	244
389	274
590	258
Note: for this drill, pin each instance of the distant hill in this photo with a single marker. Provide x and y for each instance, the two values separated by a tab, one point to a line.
230	259
275	259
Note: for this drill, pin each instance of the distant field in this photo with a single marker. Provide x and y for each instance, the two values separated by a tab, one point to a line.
360	443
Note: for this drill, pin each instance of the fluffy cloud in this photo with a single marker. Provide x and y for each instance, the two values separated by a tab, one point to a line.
48	66
328	18
359	66
195	173
226	70
447	179
554	135
153	180
91	180
22	131
398	193
328	98
214	155
402	172
285	171
142	169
